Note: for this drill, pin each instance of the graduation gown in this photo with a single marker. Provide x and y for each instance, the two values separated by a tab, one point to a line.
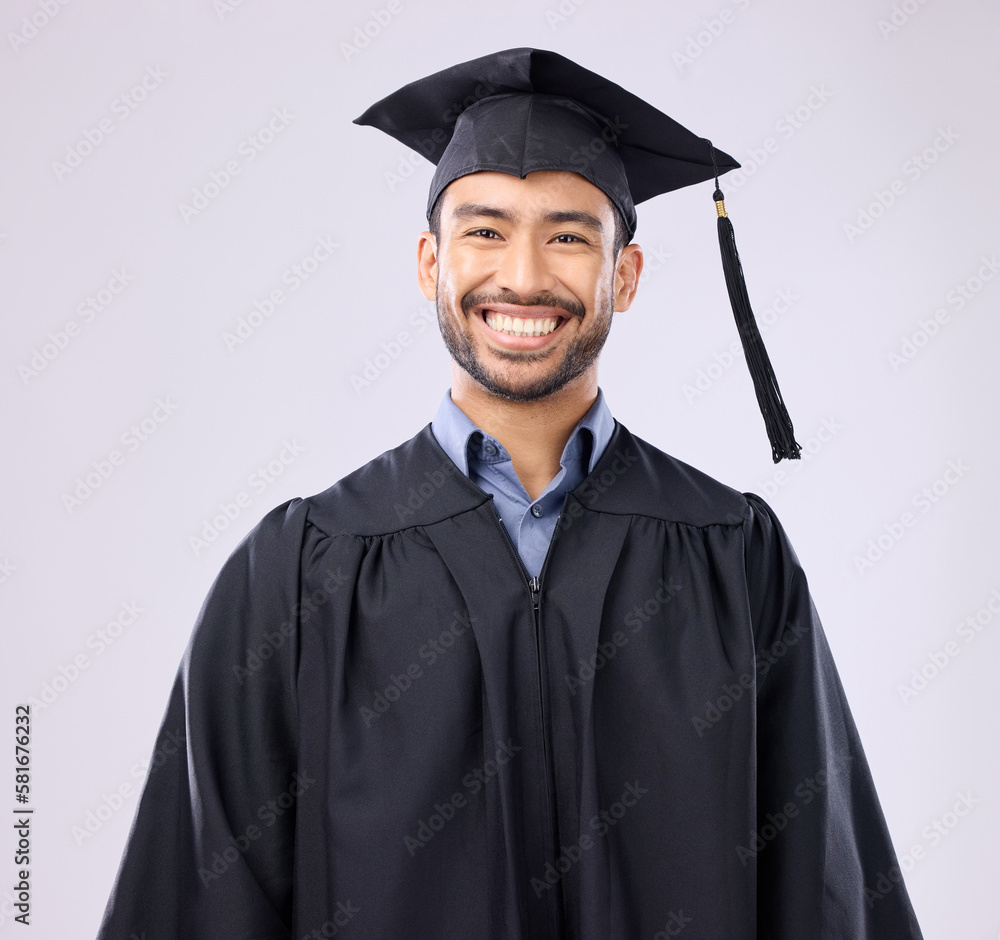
390	731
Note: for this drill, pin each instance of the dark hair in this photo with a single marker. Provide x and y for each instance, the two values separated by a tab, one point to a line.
621	232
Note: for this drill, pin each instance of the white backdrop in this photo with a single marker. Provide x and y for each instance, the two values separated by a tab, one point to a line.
165	168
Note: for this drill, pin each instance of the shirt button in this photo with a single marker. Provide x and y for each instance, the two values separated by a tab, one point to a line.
491	449
536	510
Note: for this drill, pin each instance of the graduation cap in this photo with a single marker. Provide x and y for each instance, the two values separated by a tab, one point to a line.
523	109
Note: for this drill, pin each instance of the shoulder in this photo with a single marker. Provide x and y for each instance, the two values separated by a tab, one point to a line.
633	476
770	556
415	483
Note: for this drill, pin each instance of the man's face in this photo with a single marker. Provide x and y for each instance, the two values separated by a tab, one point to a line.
524	279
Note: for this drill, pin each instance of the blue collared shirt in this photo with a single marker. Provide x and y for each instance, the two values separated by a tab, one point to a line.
486	463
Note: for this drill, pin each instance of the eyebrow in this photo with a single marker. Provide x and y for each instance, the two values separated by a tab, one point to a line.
478	210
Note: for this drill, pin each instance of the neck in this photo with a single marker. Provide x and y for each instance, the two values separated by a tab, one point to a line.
533	433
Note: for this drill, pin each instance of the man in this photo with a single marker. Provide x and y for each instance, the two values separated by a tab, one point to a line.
524	676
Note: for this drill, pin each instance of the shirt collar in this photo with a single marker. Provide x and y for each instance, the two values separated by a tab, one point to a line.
454	429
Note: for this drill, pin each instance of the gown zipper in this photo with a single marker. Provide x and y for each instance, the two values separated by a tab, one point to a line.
534	585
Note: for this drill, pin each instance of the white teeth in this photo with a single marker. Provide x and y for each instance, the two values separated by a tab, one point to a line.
521	326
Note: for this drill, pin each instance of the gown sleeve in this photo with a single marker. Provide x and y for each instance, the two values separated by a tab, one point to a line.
210	851
825	862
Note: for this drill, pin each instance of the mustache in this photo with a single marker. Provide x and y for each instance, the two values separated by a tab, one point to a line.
542	299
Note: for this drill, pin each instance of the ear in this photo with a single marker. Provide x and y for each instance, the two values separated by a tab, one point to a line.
627	272
427	266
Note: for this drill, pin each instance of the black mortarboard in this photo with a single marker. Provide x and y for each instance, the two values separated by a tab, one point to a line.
522	110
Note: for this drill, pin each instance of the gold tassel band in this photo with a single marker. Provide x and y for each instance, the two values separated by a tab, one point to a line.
720	207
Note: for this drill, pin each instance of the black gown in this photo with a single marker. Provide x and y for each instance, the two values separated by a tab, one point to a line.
392	732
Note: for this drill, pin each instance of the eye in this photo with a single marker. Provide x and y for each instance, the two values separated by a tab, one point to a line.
483	232
572	239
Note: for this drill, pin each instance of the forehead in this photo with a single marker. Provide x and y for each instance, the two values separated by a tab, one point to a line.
539	194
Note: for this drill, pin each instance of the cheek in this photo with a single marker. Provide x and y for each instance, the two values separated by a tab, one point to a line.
588	290
446	286
459	276
585	280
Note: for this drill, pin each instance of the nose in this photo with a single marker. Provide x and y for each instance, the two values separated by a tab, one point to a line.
523	268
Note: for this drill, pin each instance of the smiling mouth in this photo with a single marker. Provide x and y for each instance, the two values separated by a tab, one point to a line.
520	326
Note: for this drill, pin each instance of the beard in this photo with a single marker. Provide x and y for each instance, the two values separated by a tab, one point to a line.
581	353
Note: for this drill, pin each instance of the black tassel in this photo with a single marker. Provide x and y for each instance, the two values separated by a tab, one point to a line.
779	425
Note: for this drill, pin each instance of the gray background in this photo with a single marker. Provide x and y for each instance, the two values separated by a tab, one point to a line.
732	71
